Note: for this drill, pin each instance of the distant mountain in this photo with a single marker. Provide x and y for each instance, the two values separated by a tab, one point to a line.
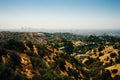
85	32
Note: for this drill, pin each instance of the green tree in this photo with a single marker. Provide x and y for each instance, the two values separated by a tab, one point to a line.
15	45
68	47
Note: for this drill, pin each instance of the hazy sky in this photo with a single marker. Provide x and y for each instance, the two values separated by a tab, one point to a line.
60	14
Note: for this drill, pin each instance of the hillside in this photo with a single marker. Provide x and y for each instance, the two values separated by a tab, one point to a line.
34	37
58	56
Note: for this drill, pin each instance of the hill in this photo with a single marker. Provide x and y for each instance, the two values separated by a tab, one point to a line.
58	56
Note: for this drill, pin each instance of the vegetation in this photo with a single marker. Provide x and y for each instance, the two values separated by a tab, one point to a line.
61	58
68	47
15	45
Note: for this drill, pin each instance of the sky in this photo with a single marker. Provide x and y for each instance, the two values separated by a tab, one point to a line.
60	14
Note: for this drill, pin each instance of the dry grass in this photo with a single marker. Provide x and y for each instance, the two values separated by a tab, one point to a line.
117	66
26	65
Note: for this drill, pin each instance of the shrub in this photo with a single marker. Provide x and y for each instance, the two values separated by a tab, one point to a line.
90	61
100	48
113	55
2	52
114	71
117	60
61	62
6	72
106	75
66	78
119	52
68	47
29	44
111	62
42	50
117	77
37	62
101	54
116	46
15	45
14	57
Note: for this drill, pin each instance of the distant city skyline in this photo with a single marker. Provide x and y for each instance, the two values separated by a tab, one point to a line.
60	14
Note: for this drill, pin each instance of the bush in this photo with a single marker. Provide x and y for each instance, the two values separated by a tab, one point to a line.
15	45
113	55
119	52
2	52
14	57
37	62
61	62
117	77
106	75
90	61
100	48
29	44
117	60
114	71
68	47
42	50
6	73
62	77
19	77
111	62
101	54
30	53
116	46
